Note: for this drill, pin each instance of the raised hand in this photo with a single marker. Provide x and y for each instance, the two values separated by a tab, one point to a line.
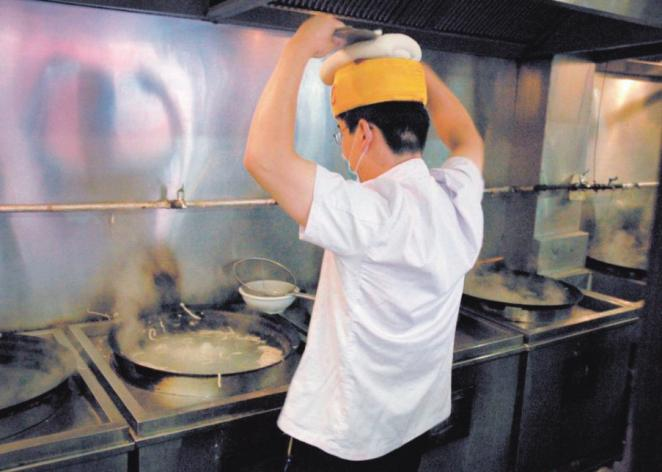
315	35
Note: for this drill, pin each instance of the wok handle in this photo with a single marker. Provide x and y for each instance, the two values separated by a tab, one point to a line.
348	35
305	296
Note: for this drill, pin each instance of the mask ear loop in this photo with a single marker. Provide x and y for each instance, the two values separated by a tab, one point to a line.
358	162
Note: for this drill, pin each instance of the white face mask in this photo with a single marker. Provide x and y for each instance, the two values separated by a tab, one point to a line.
354	172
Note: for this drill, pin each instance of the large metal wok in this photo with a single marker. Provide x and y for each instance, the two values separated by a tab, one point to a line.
616	267
30	367
204	344
519	296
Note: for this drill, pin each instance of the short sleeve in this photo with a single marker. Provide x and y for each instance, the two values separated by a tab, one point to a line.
462	180
345	217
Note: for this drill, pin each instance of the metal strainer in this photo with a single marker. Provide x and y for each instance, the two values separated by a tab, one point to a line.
265	277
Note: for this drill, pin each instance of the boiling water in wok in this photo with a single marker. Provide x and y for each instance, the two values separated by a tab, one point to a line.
207	352
218	343
517	288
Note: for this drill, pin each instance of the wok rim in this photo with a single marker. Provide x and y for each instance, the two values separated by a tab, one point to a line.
618	270
282	326
574	294
54	349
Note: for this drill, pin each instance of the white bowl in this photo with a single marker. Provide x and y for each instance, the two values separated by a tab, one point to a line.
269	304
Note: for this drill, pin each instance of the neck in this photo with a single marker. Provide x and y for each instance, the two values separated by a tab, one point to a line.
371	168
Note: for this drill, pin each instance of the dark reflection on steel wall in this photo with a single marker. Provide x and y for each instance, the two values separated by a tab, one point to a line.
626	139
105	105
486	86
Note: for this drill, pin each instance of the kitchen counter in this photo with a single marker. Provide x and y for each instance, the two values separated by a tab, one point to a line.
72	427
575	385
189	422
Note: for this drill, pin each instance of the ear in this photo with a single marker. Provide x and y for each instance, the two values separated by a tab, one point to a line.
366	131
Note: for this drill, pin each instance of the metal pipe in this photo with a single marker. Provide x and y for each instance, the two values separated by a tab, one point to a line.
180	203
575	187
231	203
640	185
177	204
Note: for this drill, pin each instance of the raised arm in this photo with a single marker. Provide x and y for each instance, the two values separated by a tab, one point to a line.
270	156
452	121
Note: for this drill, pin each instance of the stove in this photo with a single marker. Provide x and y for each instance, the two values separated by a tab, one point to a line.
593	311
617	284
607	279
182	423
487	359
576	383
72	425
193	423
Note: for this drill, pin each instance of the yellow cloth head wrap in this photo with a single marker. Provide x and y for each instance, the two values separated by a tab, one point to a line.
388	79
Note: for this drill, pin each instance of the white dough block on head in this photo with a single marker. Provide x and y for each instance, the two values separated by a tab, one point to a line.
387	45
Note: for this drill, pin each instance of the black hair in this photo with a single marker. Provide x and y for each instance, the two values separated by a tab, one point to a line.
403	124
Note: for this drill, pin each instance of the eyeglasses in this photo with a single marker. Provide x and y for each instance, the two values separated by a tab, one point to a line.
337	136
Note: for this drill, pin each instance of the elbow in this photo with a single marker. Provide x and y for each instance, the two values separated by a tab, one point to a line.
255	162
250	161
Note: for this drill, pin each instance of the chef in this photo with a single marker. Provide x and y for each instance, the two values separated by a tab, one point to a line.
376	372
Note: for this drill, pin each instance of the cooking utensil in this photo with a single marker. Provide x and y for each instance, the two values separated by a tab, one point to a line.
501	286
267	285
30	366
274	289
616	268
219	343
519	296
271	304
349	35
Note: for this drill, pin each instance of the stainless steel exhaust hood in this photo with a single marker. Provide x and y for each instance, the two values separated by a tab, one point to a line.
641	11
599	30
517	29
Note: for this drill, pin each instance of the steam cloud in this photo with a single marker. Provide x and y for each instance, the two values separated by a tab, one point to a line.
144	282
500	284
620	232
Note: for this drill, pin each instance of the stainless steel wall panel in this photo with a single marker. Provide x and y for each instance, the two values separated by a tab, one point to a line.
47	265
556	214
524	165
629	134
557	242
565	143
607	126
620	226
116	106
625	142
486	87
560	252
496	220
105	105
568	117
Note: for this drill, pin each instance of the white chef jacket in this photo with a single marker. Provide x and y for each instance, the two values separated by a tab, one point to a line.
376	371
